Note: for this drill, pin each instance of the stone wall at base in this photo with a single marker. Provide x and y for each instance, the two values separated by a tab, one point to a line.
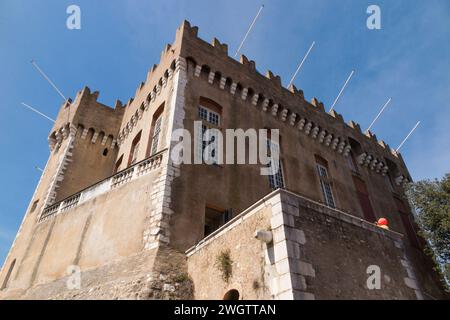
153	274
248	274
316	252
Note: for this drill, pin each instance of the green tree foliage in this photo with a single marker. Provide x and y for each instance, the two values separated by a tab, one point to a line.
431	200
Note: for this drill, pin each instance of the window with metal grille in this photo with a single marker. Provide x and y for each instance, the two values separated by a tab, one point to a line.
156	133
275	180
325	186
209	116
213	118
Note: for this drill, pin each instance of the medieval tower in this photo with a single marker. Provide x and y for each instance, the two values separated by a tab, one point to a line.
113	211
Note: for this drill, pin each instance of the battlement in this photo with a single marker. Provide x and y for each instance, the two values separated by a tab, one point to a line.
244	75
211	62
241	78
86	114
112	194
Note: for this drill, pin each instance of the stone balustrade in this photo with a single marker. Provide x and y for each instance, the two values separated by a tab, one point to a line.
137	170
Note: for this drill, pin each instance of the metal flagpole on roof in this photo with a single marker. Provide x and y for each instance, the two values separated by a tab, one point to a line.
248	31
301	63
410	133
342	90
33	62
48	79
379	114
38	112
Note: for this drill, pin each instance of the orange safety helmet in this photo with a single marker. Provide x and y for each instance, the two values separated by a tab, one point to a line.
382	222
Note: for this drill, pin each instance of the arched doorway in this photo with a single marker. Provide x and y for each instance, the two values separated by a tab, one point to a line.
232	294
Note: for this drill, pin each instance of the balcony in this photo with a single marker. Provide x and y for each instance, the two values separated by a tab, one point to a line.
122	177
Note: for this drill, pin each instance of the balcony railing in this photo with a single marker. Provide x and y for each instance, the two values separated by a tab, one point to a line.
138	169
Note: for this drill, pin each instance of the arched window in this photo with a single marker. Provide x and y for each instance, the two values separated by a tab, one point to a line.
355	150
325	181
8	274
391	174
134	149
232	294
90	134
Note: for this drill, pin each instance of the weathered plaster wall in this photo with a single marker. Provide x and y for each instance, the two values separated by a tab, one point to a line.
153	274
107	228
247	256
316	253
329	253
168	206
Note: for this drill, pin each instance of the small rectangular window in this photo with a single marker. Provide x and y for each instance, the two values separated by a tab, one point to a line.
33	207
214	219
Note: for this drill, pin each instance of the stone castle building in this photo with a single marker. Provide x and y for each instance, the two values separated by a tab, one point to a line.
114	211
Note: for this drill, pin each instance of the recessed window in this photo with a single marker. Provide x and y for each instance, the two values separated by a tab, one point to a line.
105	152
156	134
364	199
408	222
355	151
325	182
352	162
276	178
214	219
8	275
387	179
134	149
209	115
33	207
207	134
154	140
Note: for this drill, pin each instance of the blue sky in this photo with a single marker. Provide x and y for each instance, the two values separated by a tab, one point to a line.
408	60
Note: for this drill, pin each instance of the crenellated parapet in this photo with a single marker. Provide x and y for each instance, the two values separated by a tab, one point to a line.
151	97
57	137
242	79
87	117
264	102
